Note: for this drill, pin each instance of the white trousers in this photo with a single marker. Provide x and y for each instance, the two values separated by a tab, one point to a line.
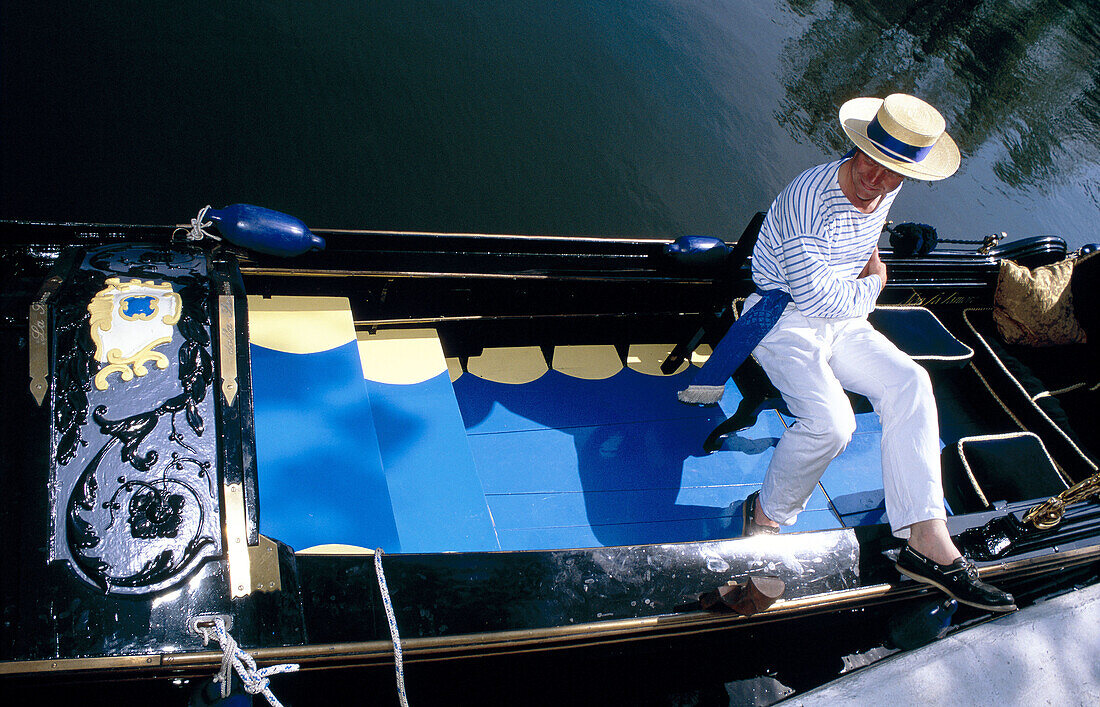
812	361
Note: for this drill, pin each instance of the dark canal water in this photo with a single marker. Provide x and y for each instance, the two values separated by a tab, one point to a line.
573	117
647	117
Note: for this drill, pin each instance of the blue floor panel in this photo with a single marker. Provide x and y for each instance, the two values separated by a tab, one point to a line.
813	519
528	511
570	462
723	525
709	495
525	511
437	497
315	432
558	462
743	459
875	516
558	401
533	461
853	481
624	456
550	538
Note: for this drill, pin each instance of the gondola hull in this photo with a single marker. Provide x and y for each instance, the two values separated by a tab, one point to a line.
141	493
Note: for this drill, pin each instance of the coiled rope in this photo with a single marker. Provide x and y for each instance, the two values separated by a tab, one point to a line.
233	657
256	680
387	603
198	228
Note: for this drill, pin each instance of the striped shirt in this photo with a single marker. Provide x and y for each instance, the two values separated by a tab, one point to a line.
814	243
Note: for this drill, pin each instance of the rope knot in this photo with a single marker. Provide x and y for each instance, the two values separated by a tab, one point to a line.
234	658
198	228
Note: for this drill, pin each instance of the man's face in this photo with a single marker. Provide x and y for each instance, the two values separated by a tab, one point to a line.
870	179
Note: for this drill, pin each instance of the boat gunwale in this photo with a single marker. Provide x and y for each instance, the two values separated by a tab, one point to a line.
604	632
494	643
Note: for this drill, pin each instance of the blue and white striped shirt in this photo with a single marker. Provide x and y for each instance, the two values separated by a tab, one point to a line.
814	243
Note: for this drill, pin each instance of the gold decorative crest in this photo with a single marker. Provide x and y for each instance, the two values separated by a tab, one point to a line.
128	321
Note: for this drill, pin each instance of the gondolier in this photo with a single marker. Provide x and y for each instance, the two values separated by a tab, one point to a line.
818	245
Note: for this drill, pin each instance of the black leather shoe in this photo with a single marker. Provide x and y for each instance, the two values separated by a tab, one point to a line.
959	579
749	526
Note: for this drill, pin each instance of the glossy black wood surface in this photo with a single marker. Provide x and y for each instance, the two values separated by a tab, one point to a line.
451	594
476	290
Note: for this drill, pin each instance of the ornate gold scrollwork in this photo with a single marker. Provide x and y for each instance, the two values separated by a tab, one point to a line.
1049	513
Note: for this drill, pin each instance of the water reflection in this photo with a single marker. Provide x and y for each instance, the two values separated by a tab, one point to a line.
1020	74
576	117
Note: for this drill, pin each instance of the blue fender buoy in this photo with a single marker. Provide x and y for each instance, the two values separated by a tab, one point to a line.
696	253
910	239
922	624
264	230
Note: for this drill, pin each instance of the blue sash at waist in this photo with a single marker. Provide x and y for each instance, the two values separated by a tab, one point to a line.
742	337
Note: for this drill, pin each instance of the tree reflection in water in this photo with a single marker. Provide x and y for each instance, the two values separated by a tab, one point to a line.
1023	74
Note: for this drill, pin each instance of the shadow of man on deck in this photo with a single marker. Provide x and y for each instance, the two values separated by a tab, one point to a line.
639	461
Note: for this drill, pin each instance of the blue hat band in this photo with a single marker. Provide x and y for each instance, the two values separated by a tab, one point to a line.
896	148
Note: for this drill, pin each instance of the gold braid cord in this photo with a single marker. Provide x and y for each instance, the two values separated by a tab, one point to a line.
1049	513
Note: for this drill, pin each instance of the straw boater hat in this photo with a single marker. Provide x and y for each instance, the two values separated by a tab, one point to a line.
902	133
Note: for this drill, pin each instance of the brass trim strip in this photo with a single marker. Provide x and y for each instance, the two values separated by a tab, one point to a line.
263	564
500	236
240	572
405	321
1056	559
38	347
628	629
520	641
227	347
499	642
557	637
61	665
301	272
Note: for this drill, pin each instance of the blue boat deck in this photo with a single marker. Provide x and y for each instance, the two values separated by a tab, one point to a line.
378	441
573	462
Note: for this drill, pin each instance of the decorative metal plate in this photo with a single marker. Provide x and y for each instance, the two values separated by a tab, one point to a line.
134	459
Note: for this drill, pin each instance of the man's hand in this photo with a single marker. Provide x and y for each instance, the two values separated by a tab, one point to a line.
875	266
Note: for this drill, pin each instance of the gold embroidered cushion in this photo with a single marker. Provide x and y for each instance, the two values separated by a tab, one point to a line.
1035	307
1085	287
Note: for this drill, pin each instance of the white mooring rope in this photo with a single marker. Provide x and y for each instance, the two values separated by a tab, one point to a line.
398	660
255	681
198	228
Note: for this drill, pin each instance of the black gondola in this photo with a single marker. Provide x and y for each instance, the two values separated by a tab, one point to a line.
539	491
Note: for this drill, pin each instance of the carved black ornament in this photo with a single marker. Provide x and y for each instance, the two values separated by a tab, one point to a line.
140	508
